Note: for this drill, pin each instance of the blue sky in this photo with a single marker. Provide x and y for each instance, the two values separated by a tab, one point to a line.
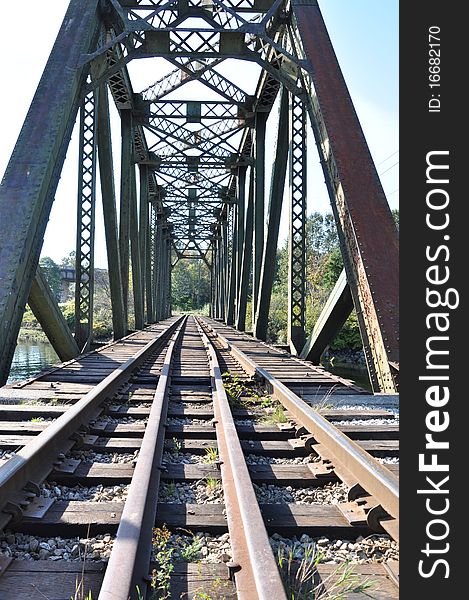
365	37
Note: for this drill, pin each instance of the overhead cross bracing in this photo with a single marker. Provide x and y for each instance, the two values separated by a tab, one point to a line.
197	137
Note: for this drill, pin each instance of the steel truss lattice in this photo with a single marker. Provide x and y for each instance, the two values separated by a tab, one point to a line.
84	266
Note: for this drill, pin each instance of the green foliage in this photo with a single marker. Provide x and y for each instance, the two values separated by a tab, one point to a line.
212	484
190	551
161	576
278	416
51	272
211	455
299	575
190	285
349	336
68	311
323	267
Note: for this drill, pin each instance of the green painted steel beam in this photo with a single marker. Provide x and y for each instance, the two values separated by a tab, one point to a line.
108	196
277	187
296	317
336	311
125	202
137	287
28	188
247	258
46	310
259	209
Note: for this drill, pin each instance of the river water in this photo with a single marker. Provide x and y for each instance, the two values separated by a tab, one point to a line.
30	358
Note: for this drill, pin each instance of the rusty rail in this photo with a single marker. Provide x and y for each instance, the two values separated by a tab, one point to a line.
35	461
346	455
256	573
129	563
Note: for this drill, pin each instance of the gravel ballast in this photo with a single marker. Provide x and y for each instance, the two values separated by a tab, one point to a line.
98	493
33	547
191	493
200	547
331	493
372	549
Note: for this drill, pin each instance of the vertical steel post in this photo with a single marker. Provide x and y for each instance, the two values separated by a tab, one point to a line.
232	266
157	268
277	187
135	253
259	200
109	213
144	236
214	278
247	257
297	237
84	265
241	209
125	203
150	264
226	261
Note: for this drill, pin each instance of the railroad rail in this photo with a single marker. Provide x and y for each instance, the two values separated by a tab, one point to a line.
152	415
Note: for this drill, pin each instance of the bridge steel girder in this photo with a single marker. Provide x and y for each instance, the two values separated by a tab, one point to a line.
30	181
259	206
108	196
275	211
240	212
336	311
135	254
125	202
86	209
46	310
297	235
232	266
157	270
145	240
367	233
247	257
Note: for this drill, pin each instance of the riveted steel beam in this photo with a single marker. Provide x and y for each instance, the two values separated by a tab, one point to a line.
110	215
367	233
86	207
30	181
297	234
247	257
277	186
259	200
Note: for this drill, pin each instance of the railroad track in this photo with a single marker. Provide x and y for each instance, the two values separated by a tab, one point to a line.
229	479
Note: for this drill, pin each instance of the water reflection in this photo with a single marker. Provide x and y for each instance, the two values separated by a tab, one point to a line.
30	358
359	376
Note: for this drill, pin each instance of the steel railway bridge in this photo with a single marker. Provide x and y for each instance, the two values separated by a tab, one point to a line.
201	172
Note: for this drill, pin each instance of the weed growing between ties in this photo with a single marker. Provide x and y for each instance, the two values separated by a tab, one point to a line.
244	394
301	579
161	576
80	584
211	456
212	484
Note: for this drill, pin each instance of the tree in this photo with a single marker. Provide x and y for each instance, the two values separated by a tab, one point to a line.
190	285
52	275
